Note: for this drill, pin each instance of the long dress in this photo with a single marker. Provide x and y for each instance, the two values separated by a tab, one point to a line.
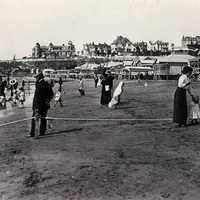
180	101
106	91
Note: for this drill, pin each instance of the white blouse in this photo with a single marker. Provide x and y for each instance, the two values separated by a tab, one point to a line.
183	81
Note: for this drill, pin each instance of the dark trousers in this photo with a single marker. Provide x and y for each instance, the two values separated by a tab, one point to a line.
82	92
95	83
43	122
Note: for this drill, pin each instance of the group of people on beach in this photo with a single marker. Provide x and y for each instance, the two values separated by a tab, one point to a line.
44	94
109	97
11	92
185	114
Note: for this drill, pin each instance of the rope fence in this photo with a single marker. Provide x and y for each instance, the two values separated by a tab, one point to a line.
106	119
83	119
16	122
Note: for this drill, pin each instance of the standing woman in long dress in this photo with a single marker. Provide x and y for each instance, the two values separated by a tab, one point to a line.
106	89
180	98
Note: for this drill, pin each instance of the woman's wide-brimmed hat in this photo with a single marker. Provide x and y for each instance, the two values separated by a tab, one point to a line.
13	81
187	69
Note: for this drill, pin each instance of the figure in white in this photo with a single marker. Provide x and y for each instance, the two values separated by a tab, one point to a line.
116	95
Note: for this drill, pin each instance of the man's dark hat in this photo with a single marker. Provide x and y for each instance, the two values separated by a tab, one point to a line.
39	75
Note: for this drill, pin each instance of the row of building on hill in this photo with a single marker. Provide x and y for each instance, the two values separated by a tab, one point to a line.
123	46
54	51
120	46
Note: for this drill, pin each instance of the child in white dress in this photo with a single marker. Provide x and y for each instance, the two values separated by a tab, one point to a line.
195	110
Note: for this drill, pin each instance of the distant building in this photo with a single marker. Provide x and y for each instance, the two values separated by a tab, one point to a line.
54	51
192	43
92	49
158	47
122	46
141	48
176	63
184	51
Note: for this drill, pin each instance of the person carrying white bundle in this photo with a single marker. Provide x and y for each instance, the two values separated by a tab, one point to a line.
116	95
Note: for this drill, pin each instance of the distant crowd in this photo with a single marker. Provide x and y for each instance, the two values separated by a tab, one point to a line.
11	91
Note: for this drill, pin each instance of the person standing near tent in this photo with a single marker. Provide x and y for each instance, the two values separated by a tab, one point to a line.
180	114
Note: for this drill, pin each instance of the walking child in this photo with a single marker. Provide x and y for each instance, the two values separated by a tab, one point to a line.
81	87
58	97
21	96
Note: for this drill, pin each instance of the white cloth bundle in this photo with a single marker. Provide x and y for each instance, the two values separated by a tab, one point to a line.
107	88
57	96
118	91
99	83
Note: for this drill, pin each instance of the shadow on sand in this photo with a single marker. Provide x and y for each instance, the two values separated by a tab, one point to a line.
61	132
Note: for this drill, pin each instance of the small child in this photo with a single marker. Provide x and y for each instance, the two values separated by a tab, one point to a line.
81	87
21	96
15	97
195	110
58	97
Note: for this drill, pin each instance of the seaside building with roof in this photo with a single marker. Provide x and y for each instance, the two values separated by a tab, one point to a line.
93	50
172	65
54	51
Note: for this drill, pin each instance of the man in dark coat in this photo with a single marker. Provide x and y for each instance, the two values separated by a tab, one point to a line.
2	87
41	103
2	93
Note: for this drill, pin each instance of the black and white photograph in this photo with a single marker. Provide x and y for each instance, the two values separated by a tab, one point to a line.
99	100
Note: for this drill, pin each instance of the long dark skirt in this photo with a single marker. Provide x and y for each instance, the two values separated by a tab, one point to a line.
105	96
180	106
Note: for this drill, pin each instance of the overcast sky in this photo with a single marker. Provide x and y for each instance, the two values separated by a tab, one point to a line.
25	22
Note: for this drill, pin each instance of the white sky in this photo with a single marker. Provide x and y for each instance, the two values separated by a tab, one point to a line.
25	22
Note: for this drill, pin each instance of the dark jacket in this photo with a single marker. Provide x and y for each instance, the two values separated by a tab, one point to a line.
2	88
43	95
110	79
